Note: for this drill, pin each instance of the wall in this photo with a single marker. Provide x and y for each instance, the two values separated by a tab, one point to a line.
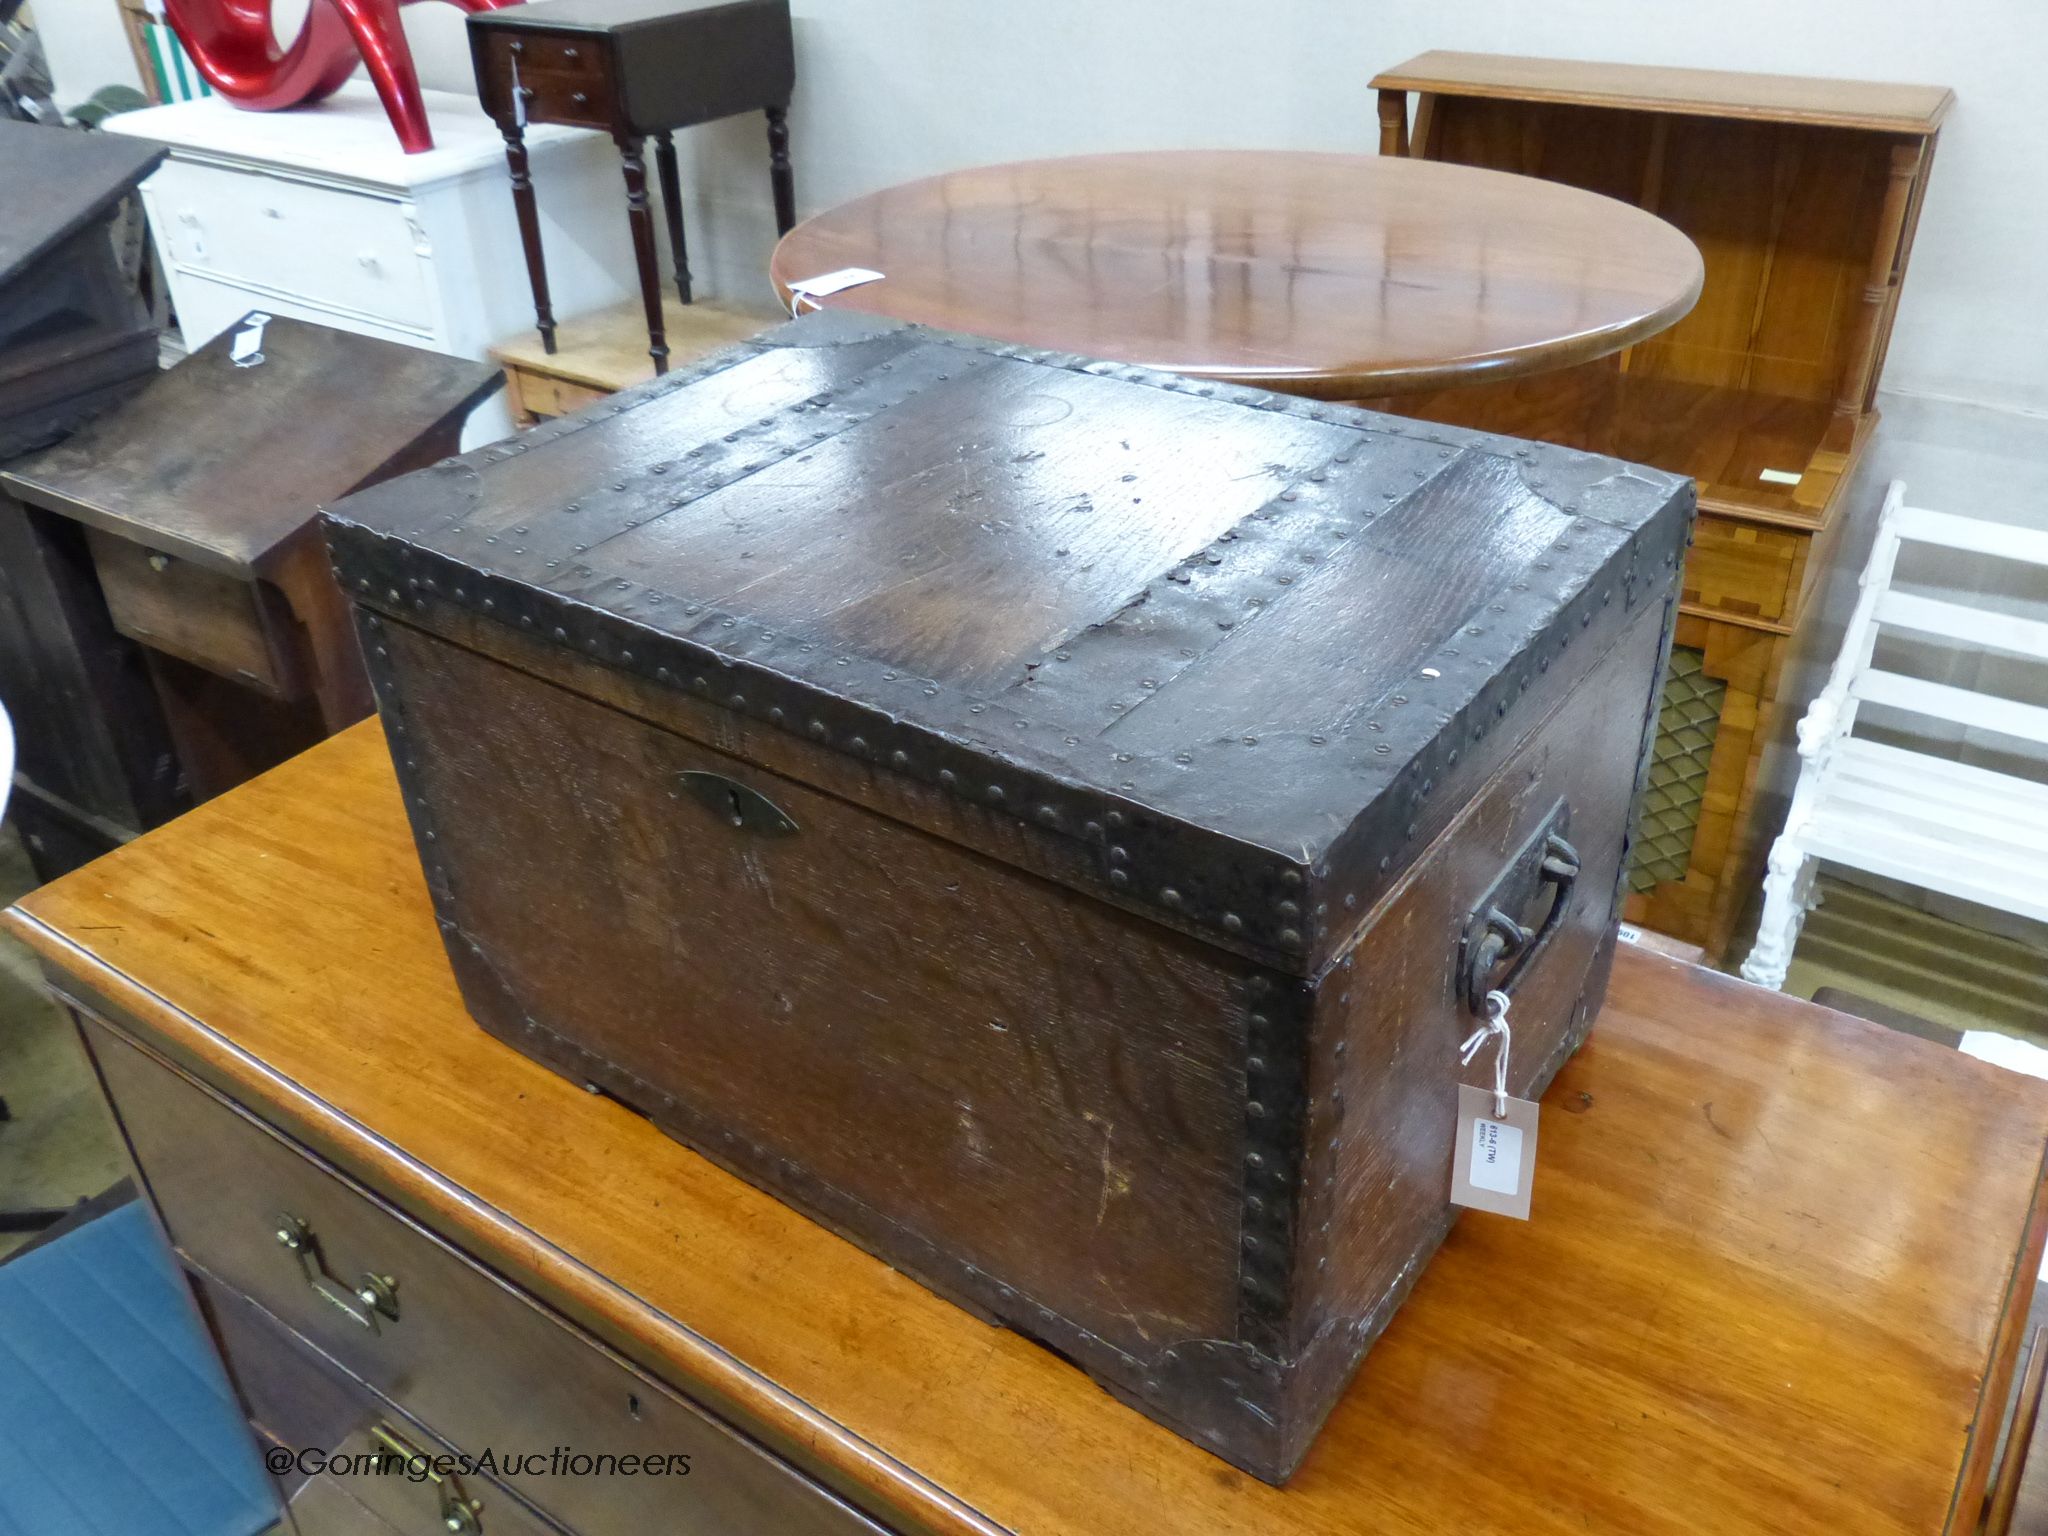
894	89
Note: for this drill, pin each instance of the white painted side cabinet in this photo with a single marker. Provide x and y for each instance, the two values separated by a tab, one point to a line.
317	213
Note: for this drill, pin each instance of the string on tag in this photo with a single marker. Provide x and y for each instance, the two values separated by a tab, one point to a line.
1496	1025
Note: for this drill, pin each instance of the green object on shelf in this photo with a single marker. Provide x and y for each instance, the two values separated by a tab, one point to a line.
108	101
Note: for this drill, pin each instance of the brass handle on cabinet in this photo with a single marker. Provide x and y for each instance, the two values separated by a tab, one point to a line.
369	1299
459	1512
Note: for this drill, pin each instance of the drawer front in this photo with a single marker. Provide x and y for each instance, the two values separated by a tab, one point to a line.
298	1401
572	98
239	629
339	249
545	398
1741	571
384	1479
562	79
476	1361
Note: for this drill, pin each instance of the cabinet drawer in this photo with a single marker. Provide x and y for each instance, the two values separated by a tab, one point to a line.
239	629
477	1362
572	97
545	398
563	79
340	249
1742	570
298	1401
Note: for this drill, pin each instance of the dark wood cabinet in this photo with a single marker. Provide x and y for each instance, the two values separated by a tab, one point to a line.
168	622
1054	822
75	336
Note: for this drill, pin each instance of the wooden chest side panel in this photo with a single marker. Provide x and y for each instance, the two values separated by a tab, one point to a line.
932	1052
1385	1070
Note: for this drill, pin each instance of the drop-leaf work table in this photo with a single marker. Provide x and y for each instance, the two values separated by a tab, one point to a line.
1774	1281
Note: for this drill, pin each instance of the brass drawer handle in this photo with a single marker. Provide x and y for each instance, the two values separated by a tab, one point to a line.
459	1512
369	1299
736	805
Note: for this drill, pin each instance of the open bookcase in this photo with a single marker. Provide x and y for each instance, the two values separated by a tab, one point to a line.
1802	196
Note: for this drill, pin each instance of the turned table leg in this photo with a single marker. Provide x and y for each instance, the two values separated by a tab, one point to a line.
641	218
672	208
779	174
529	232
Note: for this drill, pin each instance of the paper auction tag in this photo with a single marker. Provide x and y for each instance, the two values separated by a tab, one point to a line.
245	347
1495	1161
827	283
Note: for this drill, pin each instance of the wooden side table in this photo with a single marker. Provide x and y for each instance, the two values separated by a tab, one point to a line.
1775	1281
184	630
636	68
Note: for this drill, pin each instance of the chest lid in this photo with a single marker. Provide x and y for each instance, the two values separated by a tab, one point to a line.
1198	649
224	459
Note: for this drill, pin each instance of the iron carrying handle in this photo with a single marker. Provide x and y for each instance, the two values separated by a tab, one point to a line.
1493	937
369	1300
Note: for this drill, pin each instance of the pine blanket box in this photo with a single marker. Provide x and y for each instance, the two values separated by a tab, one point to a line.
1053	821
1803	195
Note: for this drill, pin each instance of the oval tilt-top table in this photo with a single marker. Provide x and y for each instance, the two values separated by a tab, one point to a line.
1340	277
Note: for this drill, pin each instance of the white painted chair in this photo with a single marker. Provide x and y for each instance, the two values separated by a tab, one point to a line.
1944	826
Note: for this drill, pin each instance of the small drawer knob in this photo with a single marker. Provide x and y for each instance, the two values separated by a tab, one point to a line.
159	562
569	53
580	99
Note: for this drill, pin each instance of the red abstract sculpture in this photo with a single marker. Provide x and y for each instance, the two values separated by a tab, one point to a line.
235	47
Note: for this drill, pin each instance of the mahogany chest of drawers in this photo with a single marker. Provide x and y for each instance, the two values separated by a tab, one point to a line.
348	1328
1052	821
1803	195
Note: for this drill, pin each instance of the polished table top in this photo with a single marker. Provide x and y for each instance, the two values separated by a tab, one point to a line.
1335	276
1773	1282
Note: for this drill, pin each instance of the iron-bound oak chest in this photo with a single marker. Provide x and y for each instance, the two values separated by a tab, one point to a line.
1052	821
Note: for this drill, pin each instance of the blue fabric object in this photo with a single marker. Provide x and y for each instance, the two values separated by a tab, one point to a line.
115	1417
